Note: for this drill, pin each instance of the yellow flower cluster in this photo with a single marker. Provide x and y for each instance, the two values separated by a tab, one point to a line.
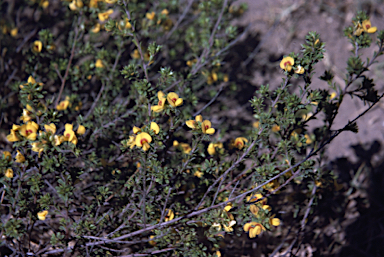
172	98
255	228
206	126
142	139
184	146
365	26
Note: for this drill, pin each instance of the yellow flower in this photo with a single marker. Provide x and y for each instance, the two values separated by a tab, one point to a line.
212	78
80	130
332	95
256	124
175	143
151	242
240	142
99	63
174	100
105	15
19	157
143	140
136	130
50	128
275	128
63	105
14	32
255	197
254	229
266	207
367	27
165	12
58	140
228	207
37	46
44	3
69	134
216	226
230	225
150	15
110	1
7	155
299	69
135	54
160	105
8	173
155	127
124	24
287	63
186	148
29	130
12	137
308	139
131	142
218	254
274	221
26	116
96	28
37	147
93	4
206	127
198	174
170	215
212	148
192	123
254	209
191	62
75	5
42	215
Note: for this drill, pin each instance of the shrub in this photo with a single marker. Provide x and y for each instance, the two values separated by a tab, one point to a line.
116	150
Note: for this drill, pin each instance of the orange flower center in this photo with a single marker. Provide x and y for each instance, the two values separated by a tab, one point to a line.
68	135
206	127
174	99
239	143
143	141
28	131
160	102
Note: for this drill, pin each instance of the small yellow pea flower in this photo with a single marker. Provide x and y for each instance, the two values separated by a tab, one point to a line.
160	106
63	105
150	15
254	209
96	28
80	130
37	47
240	142
174	100
19	157
254	229
42	215
14	32
155	127
299	69
50	128
29	130
198	174
274	221
143	140
275	128
230	225
170	215
75	4
9	173
7	155
367	27
287	63
99	63
105	15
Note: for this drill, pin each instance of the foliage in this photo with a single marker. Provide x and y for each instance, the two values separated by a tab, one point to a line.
115	150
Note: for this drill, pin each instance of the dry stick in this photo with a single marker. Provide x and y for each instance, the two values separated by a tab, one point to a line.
96	100
212	100
69	62
10	77
181	18
28	37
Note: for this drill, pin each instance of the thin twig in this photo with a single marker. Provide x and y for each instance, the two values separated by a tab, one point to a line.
69	61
